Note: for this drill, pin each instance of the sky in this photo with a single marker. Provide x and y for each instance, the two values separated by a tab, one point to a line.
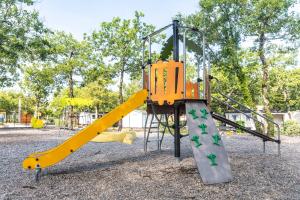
78	16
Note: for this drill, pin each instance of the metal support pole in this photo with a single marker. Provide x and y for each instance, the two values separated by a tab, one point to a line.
264	146
175	41
149	66
278	138
204	69
143	66
145	134
176	131
176	106
198	76
184	64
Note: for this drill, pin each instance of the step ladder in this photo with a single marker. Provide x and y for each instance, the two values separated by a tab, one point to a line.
154	128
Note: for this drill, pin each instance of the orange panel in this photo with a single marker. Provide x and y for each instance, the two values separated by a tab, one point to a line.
161	84
188	92
196	91
192	90
163	78
145	84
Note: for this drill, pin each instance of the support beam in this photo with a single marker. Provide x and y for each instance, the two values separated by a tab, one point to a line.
177	130
175	40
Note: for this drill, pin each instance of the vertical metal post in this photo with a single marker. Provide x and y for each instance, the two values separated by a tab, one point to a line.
184	64
149	67
264	146
143	65
176	106
208	91
204	69
208	65
278	138
175	41
198	76
158	134
176	131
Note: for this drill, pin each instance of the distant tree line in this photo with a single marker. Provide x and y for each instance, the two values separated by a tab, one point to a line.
57	72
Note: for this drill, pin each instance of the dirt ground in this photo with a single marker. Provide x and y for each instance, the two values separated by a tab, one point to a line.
120	171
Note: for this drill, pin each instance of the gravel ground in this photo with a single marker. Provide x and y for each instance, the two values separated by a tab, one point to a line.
120	171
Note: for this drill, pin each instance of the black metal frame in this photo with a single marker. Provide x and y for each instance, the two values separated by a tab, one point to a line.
178	108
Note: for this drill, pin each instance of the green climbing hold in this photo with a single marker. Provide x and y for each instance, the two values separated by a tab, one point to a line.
195	139
216	139
203	128
193	113
204	113
212	157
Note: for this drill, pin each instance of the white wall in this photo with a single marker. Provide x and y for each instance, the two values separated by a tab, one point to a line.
135	119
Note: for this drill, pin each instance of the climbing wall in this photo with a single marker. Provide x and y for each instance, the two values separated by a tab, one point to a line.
208	148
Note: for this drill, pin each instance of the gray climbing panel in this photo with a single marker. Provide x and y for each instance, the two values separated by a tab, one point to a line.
208	148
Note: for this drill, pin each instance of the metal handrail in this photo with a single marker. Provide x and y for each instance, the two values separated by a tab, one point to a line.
238	110
266	118
252	111
157	32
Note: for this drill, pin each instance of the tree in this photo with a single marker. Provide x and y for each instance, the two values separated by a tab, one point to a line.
38	82
9	102
284	93
70	57
267	21
227	24
21	38
119	42
221	23
103	99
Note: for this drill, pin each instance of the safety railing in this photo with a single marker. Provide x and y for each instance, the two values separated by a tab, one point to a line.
248	112
167	84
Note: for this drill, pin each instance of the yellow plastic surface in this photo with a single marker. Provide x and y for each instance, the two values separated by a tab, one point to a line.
57	154
124	137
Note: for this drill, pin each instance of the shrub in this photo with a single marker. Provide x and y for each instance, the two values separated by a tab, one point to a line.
242	123
291	127
36	123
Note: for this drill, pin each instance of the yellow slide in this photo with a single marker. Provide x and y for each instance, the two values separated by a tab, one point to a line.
53	156
124	137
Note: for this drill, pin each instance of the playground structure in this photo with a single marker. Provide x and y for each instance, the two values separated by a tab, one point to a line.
168	94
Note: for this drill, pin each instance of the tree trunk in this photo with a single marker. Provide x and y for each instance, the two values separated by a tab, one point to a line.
286	101
121	100
96	112
37	110
248	98
265	83
71	95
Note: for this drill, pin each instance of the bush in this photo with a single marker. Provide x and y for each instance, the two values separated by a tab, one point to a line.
242	123
36	123
291	127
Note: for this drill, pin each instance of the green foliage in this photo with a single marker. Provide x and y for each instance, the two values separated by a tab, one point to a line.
21	34
69	58
240	122
284	92
9	102
103	99
38	83
119	42
291	128
243	69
